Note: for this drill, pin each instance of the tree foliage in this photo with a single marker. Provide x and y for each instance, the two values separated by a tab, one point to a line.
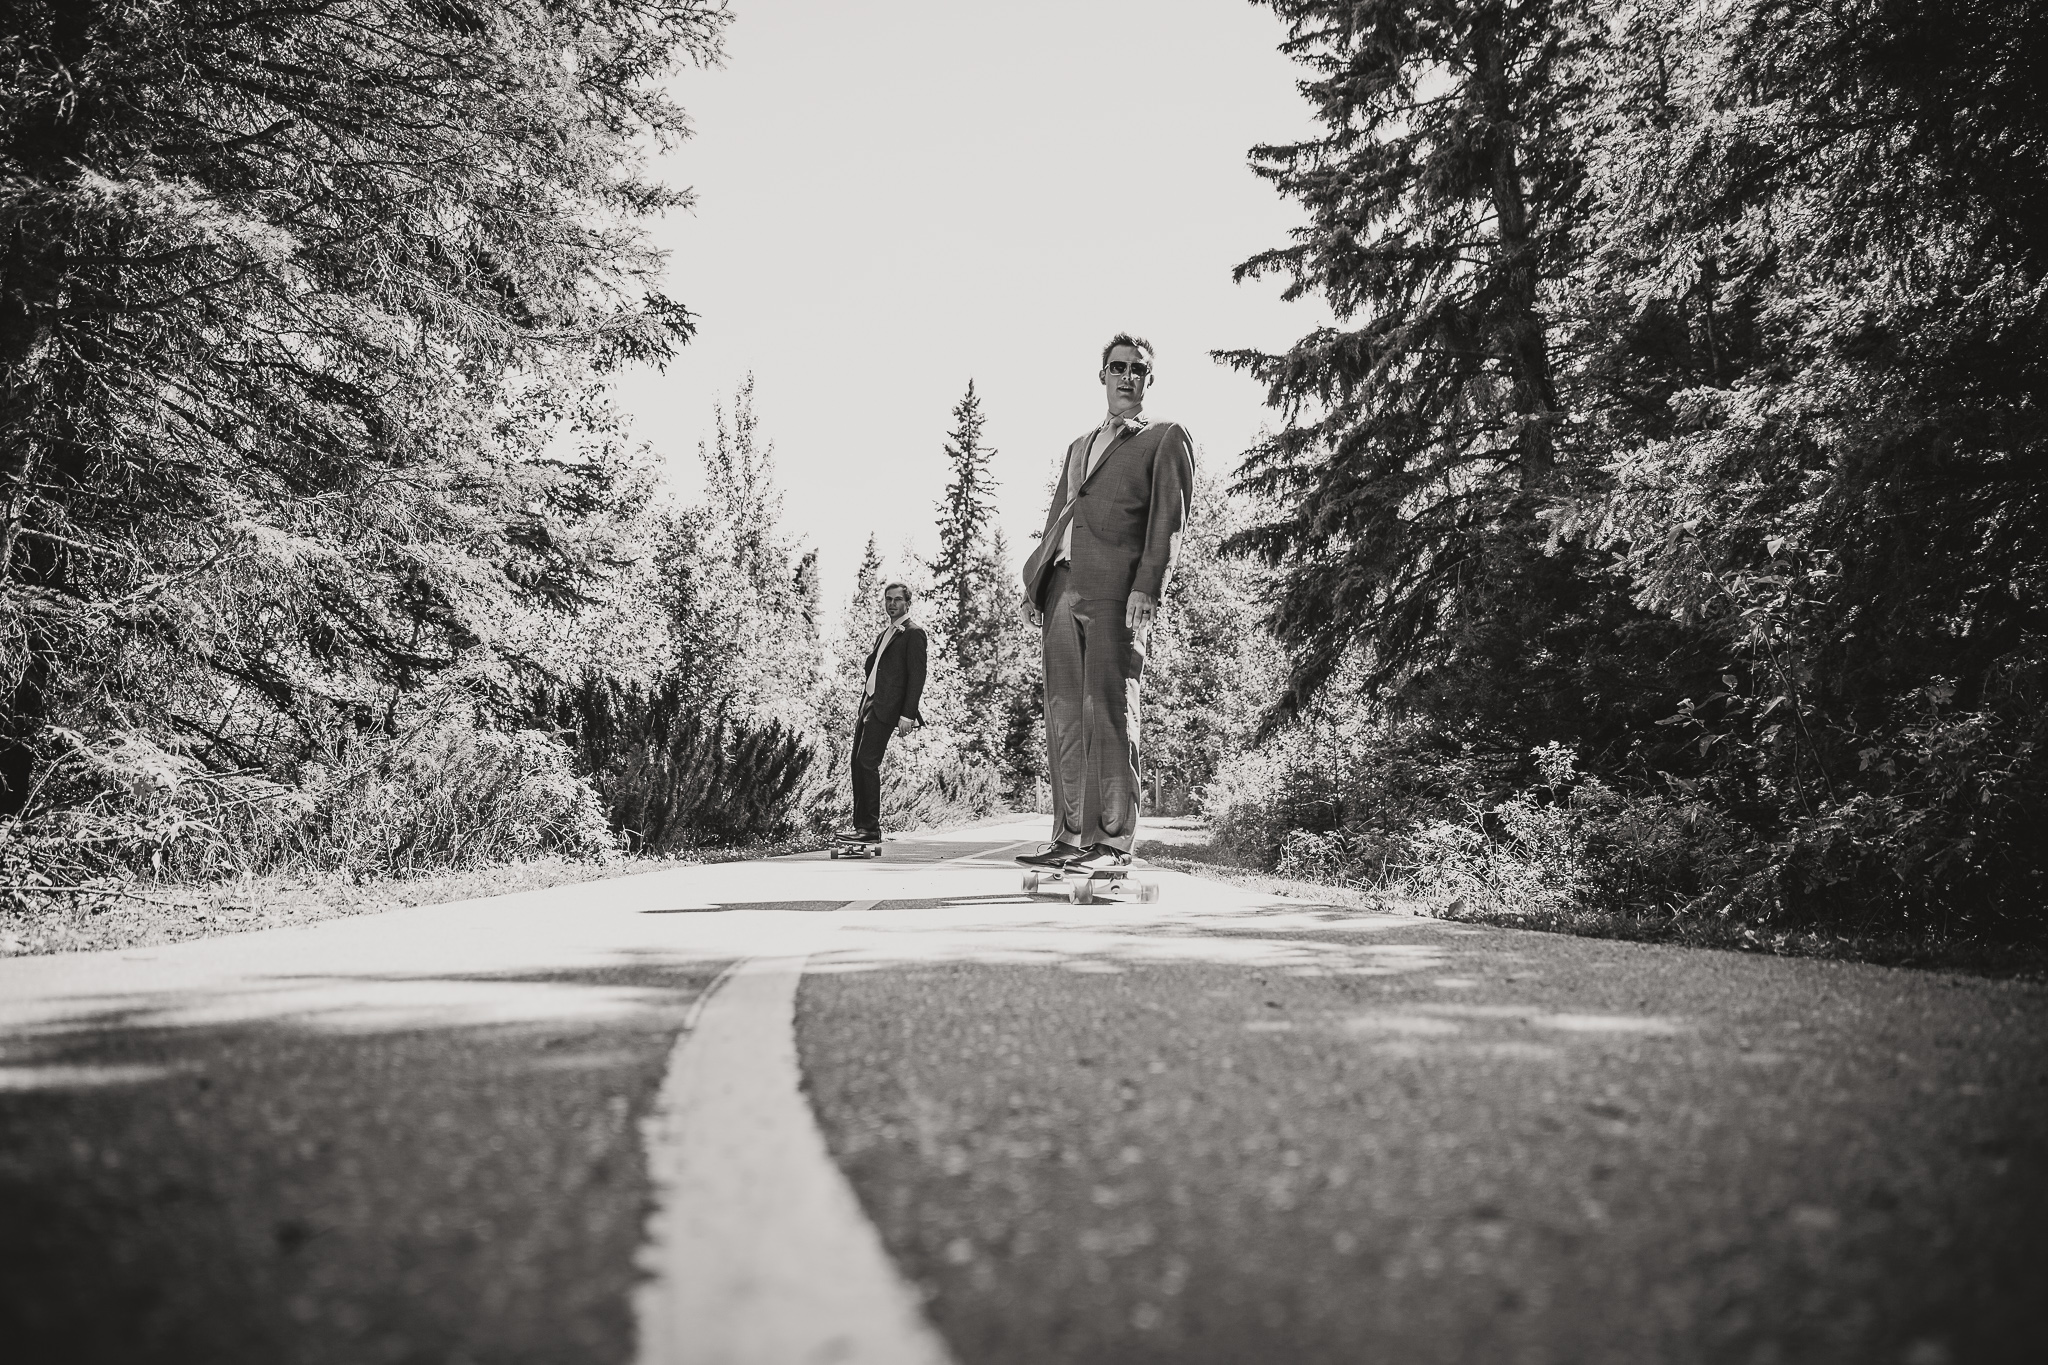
1423	429
294	306
1764	536
742	600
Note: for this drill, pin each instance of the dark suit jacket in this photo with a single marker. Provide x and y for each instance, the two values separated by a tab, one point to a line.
899	685
1128	521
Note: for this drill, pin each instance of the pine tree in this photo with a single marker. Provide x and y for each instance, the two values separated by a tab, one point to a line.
1423	430
859	620
963	534
968	576
742	603
272	278
1015	700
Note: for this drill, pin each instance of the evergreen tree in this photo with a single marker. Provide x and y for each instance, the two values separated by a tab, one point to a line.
279	288
859	620
963	535
1014	700
1423	431
742	603
971	606
1818	353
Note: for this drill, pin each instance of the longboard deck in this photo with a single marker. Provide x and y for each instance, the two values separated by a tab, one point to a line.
856	848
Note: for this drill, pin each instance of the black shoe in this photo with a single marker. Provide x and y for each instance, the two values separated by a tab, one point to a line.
1101	858
1055	855
858	836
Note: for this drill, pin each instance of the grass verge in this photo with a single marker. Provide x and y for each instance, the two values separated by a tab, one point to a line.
148	914
1953	953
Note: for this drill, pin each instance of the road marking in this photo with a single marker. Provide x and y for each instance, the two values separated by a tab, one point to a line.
758	1252
860	905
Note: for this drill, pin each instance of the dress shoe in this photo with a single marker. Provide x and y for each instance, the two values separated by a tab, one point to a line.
1101	858
1055	855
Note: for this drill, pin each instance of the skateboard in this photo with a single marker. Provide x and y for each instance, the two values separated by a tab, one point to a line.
1085	888
856	848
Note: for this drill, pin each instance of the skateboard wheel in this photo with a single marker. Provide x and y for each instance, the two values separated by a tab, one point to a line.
1148	892
1081	892
1030	881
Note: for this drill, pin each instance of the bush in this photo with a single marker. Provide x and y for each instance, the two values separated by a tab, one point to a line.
1565	847
1361	786
450	795
931	779
671	777
443	793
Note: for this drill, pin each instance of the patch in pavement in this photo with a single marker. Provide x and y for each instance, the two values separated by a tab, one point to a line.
454	1184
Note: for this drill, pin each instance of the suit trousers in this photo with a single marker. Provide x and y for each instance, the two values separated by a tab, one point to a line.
1093	671
870	741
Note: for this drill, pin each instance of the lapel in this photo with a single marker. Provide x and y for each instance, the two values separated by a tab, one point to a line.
876	651
1128	432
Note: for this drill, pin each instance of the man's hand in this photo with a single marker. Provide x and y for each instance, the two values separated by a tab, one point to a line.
1032	613
904	725
1138	613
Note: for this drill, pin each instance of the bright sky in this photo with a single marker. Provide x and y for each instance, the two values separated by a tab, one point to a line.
897	196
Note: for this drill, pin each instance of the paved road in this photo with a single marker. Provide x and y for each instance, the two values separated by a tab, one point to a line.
1221	1128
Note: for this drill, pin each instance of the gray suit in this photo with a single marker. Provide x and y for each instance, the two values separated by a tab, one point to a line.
1126	535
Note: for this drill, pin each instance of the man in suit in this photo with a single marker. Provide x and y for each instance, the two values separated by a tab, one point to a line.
1093	585
894	670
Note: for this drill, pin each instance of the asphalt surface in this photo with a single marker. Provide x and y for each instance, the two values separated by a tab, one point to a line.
1220	1128
258	1193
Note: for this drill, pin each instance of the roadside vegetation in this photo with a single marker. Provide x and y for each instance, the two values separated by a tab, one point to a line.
1655	544
324	558
1657	539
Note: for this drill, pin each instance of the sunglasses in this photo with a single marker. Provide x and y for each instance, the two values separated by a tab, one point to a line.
1137	369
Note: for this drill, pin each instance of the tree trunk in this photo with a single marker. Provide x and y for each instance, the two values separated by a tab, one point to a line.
1527	351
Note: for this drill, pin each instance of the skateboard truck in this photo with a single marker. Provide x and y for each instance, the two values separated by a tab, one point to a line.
856	848
1085	887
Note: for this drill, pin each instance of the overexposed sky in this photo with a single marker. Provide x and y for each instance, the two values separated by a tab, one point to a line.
895	196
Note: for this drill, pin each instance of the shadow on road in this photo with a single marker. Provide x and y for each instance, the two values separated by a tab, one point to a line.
444	1168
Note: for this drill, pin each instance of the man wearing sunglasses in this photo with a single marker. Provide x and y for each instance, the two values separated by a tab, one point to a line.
1093	585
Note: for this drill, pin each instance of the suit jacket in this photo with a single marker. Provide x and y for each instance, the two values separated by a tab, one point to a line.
1128	519
899	683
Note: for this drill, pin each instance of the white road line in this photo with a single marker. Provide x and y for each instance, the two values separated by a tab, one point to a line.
860	905
758	1252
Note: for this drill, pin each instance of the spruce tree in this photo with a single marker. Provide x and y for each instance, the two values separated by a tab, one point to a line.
276	286
1014	701
1423	430
970	602
742	603
963	533
859	621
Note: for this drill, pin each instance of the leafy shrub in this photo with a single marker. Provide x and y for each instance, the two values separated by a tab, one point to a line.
1363	785
933	778
442	793
450	795
1566	846
1945	830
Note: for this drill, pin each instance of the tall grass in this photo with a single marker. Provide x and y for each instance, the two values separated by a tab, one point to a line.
441	793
